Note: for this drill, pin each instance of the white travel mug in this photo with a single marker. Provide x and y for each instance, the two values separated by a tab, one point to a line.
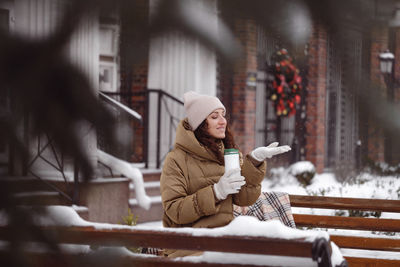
231	157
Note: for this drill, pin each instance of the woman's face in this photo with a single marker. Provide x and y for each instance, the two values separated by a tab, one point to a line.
217	123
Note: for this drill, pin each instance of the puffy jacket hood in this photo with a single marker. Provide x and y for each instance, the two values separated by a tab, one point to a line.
187	141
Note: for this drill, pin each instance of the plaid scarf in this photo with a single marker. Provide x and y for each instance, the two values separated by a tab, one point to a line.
269	206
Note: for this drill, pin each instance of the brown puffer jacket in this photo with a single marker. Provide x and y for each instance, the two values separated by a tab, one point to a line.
186	184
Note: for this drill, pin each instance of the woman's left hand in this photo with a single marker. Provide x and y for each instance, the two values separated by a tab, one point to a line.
261	153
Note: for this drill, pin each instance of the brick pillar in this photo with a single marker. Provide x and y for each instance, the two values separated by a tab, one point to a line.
134	70
139	84
379	43
243	97
316	98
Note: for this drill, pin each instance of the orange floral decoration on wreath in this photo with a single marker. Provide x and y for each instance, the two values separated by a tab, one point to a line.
286	85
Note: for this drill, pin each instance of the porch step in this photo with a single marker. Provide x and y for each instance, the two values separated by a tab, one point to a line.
30	184
151	180
152	189
40	198
34	192
153	214
151	175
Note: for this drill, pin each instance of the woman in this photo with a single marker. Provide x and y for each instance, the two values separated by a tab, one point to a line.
195	189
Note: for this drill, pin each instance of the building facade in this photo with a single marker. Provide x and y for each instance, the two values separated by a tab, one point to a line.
331	127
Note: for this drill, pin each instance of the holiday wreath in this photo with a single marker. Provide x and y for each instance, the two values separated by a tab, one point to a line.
286	85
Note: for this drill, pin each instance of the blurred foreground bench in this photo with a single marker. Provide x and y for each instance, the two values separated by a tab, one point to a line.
358	248
318	250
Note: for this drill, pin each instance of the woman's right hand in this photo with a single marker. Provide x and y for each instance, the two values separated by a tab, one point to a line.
229	183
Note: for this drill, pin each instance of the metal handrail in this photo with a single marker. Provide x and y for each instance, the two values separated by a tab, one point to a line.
161	101
120	106
58	166
161	94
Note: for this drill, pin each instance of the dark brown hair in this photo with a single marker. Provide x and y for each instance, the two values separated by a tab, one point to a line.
213	143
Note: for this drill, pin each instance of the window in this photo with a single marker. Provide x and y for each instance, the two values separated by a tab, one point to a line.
108	68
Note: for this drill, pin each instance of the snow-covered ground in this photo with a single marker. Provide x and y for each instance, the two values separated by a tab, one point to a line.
364	185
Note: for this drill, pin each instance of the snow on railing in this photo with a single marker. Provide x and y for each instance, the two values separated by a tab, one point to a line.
126	169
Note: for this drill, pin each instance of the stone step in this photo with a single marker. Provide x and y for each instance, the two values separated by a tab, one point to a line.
153	214
151	188
40	198
30	184
151	175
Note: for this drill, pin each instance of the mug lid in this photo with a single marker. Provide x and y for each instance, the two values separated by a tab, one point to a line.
230	151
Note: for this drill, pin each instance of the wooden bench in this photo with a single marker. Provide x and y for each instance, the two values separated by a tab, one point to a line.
318	250
132	237
354	241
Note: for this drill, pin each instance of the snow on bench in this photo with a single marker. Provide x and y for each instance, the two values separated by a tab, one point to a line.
244	241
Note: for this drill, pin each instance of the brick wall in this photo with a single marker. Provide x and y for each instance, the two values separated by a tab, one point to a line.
316	98
243	97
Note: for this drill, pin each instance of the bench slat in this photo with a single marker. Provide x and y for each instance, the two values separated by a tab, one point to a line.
371	243
370	262
38	259
353	223
172	240
344	203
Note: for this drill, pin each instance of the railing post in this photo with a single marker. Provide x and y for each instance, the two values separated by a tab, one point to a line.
146	129
158	128
75	193
24	158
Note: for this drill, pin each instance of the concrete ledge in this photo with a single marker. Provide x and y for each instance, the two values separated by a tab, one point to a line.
106	199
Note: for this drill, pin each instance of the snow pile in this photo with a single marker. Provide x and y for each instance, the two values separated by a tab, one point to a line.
130	172
301	167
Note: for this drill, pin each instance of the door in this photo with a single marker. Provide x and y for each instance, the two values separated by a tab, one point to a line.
342	102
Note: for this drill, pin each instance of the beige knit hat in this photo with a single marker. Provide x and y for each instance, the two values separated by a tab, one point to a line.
198	107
